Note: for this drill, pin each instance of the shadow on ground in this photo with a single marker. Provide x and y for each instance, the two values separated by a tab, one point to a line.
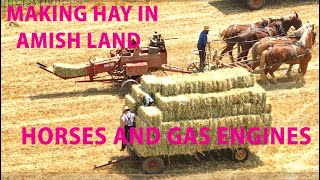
283	83
233	7
186	164
115	91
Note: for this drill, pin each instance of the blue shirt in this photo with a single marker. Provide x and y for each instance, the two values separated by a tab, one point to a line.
202	40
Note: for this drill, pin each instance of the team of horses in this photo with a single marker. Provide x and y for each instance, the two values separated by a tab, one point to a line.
271	45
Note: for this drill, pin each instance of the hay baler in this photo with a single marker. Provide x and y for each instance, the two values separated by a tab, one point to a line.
126	68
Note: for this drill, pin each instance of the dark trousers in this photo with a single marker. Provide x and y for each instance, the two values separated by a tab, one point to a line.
127	135
202	55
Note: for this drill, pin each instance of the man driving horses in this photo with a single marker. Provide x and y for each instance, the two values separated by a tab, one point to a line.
202	42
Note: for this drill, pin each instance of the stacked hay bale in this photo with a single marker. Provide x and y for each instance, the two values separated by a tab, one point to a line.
222	98
68	70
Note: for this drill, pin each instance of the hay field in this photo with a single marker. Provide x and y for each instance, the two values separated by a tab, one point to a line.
34	98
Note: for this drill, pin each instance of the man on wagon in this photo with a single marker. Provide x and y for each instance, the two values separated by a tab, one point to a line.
202	42
127	121
148	100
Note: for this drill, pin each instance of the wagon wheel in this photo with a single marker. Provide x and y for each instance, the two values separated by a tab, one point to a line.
255	4
153	165
240	155
195	66
127	85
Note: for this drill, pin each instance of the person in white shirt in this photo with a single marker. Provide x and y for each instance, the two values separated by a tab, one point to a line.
127	121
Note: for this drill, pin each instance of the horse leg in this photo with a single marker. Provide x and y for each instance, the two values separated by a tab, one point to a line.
244	53
303	67
238	47
245	57
289	74
255	64
271	71
227	49
241	54
264	79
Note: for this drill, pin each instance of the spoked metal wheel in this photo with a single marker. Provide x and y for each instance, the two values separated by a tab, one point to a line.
194	66
240	154
255	4
126	86
153	165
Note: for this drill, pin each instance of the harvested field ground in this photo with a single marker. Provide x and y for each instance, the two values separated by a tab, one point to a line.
33	98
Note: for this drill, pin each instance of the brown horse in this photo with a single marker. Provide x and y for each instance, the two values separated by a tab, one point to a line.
298	53
233	30
278	28
267	42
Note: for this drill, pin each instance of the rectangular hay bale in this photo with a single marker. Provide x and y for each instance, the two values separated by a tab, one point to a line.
69	70
150	84
137	93
150	114
130	102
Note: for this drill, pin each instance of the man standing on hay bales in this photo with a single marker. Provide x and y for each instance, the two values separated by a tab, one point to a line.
127	121
202	42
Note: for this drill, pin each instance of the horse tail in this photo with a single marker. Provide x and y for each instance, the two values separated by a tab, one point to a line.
254	52
262	65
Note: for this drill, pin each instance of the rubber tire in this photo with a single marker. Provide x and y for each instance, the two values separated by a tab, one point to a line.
156	163
234	154
255	4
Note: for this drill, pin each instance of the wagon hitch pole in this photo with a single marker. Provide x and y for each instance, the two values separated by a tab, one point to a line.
112	162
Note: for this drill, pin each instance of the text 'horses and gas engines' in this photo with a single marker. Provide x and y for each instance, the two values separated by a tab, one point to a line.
210	80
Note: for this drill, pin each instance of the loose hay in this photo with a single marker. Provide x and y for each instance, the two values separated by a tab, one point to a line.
68	70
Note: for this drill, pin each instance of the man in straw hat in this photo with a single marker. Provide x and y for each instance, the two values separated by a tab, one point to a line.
202	42
127	121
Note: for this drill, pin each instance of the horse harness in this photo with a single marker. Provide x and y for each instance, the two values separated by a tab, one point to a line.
297	45
234	32
280	28
294	53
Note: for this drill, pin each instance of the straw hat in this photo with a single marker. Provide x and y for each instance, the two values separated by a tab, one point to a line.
206	28
125	108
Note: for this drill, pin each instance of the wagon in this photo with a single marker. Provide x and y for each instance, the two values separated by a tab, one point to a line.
156	165
228	98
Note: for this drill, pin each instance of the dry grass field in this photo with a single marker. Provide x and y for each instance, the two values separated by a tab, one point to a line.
32	98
